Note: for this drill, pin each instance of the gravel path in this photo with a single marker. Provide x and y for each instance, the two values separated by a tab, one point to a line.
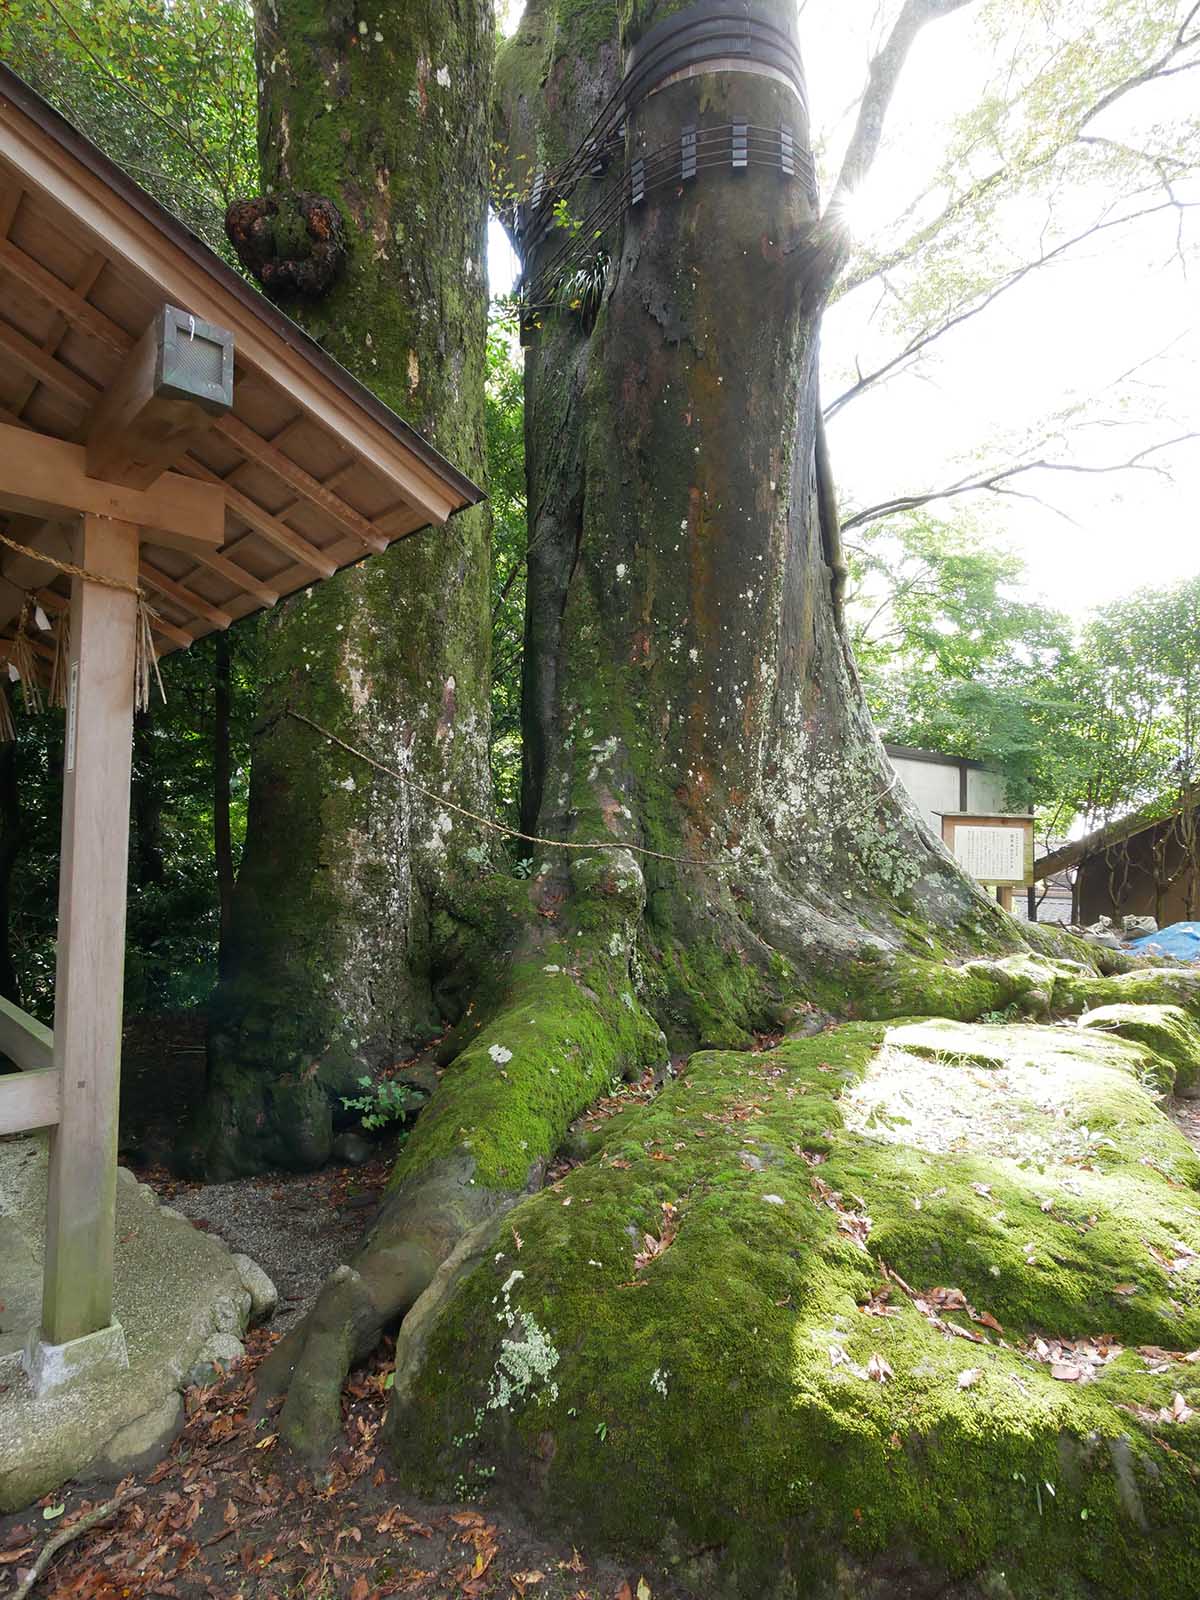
298	1227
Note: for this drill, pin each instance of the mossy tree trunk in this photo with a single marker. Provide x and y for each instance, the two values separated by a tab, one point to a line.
326	972
689	685
688	692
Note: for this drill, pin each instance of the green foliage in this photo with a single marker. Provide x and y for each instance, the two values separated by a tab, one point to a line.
382	1102
951	658
1090	722
172	917
164	87
581	290
505	422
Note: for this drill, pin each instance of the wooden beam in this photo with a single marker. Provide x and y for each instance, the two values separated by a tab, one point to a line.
63	298
42	365
309	488
77	1279
29	1100
47	477
238	576
152	578
24	1039
143	424
273	531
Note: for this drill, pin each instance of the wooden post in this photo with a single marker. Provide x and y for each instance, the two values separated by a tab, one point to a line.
77	1287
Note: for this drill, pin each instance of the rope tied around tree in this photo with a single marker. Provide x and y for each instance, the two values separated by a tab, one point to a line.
23	666
501	827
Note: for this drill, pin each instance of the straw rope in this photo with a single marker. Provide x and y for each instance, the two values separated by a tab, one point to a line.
145	657
69	567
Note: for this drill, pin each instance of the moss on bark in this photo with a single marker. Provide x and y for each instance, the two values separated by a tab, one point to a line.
386	113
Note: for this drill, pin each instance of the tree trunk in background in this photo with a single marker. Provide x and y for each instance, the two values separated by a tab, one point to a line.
328	960
11	838
222	766
147	868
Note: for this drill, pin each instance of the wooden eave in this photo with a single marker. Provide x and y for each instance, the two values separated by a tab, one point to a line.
1112	833
313	471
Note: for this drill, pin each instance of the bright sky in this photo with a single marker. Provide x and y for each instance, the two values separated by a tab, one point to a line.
1069	333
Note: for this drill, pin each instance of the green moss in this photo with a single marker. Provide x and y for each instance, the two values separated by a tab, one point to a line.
713	1404
563	1035
1168	1031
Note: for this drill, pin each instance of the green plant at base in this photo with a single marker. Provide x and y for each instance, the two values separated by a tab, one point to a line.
381	1103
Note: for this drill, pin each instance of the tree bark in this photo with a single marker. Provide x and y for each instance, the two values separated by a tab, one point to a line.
12	833
222	789
689	697
328	956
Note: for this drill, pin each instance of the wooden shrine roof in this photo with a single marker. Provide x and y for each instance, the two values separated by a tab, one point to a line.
314	470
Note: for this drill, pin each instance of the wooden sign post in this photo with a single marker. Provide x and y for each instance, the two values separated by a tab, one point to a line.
995	849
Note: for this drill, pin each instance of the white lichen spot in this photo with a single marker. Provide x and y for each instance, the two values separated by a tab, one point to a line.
773	1199
622	569
526	1360
693	654
499	1054
443	77
362	27
551	968
658	1380
348	784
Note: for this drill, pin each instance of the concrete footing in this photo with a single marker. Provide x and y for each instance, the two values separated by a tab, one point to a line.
51	1366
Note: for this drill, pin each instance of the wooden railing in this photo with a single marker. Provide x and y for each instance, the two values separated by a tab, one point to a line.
30	1098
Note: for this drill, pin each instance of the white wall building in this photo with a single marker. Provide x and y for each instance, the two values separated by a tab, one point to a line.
939	784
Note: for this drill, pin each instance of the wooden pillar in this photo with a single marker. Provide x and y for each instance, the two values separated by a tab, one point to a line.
77	1290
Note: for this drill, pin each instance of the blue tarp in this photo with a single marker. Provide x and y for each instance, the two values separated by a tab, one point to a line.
1181	940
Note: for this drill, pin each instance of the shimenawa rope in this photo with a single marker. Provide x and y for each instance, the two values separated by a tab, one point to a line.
145	657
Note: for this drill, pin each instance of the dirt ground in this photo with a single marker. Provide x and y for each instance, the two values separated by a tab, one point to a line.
228	1516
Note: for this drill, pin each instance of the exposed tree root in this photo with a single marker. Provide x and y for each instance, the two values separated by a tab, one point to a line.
566	1024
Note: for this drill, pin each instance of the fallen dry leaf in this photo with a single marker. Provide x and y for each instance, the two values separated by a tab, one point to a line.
879	1369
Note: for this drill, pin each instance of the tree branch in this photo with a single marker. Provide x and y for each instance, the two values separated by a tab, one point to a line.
882	78
928	335
1160	68
999	482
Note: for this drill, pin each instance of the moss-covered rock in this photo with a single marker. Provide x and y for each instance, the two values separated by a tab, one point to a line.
867	1303
1167	1030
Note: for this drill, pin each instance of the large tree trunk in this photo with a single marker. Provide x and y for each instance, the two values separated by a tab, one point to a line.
327	962
688	682
12	831
688	692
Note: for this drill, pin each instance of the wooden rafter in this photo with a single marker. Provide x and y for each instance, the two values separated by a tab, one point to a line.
249	445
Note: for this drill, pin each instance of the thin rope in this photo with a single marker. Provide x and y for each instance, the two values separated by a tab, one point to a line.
500	827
